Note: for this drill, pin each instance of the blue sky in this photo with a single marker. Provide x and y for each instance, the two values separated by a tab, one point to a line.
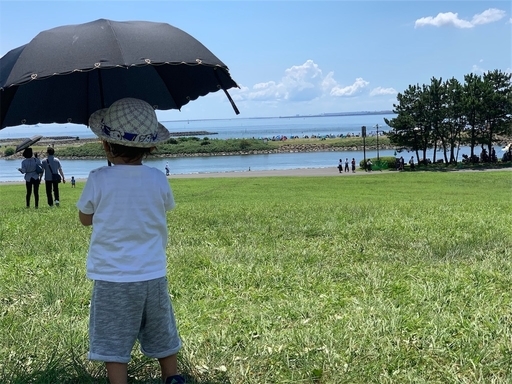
304	57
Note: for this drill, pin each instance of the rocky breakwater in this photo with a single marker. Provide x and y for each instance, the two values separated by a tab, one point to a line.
289	148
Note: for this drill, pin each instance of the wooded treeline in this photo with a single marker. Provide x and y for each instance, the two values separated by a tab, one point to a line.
444	115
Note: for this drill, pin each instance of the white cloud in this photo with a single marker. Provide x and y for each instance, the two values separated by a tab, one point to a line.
477	69
489	16
304	83
448	18
329	83
300	83
350	90
383	91
265	91
452	19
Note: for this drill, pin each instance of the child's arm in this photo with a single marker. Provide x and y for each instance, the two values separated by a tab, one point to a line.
85	219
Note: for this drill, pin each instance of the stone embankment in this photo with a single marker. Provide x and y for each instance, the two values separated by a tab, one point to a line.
302	148
287	148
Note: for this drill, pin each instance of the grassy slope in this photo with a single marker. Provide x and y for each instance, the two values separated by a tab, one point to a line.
384	278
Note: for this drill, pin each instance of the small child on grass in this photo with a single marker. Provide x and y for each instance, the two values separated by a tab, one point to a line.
73	182
126	204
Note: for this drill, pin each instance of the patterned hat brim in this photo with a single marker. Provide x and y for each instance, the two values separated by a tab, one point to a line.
96	126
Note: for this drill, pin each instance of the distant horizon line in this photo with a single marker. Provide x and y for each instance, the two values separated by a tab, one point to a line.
326	114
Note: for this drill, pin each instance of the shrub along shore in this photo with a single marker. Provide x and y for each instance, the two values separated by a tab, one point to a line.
68	148
193	146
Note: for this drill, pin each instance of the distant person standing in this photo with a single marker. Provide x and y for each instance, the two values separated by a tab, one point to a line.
51	166
73	181
167	169
340	166
411	163
30	167
347	165
353	162
369	165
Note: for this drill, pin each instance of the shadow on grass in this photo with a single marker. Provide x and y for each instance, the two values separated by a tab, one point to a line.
460	167
63	370
63	376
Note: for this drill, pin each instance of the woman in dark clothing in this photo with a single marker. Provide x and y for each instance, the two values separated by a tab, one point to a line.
30	167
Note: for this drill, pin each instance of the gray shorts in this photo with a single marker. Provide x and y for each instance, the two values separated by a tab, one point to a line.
121	313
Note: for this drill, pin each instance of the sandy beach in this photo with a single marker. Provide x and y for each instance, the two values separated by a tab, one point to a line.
300	172
331	171
307	172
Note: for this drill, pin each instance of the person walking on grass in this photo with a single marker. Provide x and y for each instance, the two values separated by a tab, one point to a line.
369	165
127	205
30	167
51	166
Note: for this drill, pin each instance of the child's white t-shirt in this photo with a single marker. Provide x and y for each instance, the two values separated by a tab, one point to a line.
129	235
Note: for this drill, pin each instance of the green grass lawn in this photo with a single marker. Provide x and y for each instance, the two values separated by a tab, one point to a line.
384	278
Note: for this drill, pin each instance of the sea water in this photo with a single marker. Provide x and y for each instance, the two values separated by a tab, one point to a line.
231	128
228	128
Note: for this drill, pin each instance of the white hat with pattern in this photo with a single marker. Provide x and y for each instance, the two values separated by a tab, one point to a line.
130	122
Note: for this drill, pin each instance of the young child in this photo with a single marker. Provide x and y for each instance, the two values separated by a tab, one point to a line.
126	204
72	181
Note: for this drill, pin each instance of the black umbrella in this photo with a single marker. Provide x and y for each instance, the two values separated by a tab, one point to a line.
66	73
28	143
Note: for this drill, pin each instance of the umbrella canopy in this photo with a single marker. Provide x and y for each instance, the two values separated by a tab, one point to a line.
28	143
66	73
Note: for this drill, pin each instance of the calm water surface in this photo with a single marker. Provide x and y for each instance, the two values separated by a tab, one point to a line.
227	128
238	163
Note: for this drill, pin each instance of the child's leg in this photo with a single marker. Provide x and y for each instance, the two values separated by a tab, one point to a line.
117	373
169	366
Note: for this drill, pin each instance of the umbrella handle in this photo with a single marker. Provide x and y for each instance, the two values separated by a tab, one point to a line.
231	101
226	92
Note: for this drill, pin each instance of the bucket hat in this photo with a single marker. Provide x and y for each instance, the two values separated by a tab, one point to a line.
129	122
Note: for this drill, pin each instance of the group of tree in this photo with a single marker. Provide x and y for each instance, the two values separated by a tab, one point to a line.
446	115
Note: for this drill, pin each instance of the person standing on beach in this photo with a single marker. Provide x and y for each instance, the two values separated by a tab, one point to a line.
127	206
30	167
346	164
51	166
353	162
340	166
